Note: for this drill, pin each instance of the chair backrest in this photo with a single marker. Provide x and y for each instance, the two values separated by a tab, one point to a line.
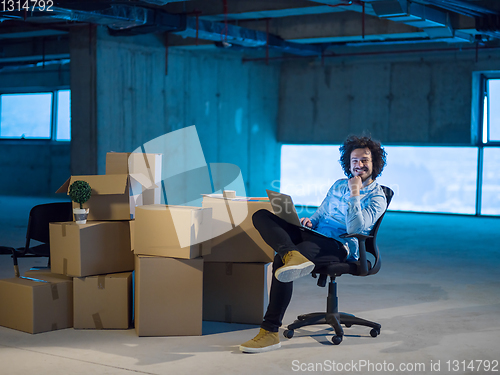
43	214
371	243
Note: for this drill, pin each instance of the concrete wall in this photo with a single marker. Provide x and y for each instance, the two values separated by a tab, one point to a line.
142	92
399	99
33	168
29	167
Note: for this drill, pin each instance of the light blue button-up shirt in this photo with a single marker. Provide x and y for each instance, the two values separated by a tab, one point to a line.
339	213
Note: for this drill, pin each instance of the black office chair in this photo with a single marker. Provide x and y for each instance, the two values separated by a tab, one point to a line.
362	267
38	230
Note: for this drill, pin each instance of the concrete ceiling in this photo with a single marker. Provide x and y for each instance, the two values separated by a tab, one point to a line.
289	27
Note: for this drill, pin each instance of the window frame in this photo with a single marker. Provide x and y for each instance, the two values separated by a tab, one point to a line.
53	114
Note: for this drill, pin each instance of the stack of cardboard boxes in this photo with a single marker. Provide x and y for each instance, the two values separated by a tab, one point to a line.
191	263
90	281
169	245
238	272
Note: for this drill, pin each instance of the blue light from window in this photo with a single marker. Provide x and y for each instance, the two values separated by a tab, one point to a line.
490	195
432	179
25	115
308	171
63	132
494	109
424	179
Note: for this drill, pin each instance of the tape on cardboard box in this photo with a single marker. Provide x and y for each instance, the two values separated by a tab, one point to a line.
97	321
101	282
55	292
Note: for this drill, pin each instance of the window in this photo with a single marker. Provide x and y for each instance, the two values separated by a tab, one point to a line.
44	115
424	179
491	111
432	179
490	193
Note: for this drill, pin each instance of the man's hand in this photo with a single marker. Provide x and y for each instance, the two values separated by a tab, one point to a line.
305	221
355	184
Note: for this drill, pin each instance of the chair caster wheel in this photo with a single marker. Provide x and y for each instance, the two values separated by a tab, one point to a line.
348	325
374	332
288	333
336	340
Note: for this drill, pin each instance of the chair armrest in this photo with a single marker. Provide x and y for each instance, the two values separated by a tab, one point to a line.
363	263
359	236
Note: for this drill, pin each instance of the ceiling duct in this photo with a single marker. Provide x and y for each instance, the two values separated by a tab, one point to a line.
125	20
434	22
489	25
115	16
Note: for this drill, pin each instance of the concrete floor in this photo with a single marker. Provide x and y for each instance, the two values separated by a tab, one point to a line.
437	297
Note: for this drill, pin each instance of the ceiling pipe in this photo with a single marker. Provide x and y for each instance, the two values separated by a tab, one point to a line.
375	53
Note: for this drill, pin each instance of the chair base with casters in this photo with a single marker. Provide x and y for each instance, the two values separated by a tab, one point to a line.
331	317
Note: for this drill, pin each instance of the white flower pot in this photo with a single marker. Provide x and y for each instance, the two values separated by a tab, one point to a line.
81	215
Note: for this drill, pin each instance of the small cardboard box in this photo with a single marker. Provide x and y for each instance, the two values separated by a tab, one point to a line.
35	305
103	302
173	231
236	292
145	170
111	196
235	239
168	296
95	248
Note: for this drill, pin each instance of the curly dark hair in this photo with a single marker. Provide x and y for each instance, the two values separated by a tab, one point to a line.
353	142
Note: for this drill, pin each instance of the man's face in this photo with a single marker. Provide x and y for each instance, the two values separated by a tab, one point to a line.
361	163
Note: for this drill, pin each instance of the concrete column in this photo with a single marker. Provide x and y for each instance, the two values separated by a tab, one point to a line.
83	100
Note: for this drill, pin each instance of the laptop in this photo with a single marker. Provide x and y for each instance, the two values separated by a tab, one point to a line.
284	208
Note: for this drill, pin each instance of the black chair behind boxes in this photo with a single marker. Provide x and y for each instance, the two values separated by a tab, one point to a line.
38	230
362	267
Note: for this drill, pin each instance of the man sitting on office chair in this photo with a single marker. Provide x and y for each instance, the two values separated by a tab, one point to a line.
352	205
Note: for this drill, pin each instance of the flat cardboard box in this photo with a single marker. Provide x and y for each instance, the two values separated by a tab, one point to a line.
103	302
236	292
168	296
173	231
95	248
35	305
111	197
145	170
235	239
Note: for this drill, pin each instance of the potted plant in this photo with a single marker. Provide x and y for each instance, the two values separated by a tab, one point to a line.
80	192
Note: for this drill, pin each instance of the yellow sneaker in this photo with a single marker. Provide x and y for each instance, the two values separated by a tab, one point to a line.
263	342
296	265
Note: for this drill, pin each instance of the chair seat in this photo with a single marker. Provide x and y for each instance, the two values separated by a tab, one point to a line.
337	269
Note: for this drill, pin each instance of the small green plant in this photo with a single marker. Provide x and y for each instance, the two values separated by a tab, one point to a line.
80	192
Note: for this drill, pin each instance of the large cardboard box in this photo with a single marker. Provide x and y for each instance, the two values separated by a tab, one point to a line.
236	292
95	248
35	305
145	172
235	237
168	296
111	196
103	302
173	231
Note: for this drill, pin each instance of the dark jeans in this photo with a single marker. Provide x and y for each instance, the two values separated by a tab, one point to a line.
283	237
